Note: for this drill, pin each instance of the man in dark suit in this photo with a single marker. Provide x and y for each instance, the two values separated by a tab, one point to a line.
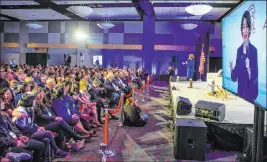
113	92
245	71
118	82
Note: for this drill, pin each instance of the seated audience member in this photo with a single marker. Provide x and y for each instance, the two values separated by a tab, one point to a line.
8	105
113	92
24	88
124	77
118	81
45	118
64	108
13	87
29	78
4	83
12	141
23	116
50	85
15	157
88	107
59	81
36	79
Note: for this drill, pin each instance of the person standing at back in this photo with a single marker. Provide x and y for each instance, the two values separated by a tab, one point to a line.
69	60
65	59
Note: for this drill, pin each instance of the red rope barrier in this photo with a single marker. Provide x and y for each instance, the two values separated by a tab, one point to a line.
115	111
131	92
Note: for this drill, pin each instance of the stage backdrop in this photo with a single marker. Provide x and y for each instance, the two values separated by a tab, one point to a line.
248	75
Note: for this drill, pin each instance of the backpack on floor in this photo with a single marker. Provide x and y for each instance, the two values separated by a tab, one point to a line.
133	117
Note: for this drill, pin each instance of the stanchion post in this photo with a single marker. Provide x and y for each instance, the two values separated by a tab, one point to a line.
120	124
104	151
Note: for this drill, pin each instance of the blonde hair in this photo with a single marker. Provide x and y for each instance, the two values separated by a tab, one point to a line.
191	56
59	81
83	85
50	82
67	78
28	79
109	75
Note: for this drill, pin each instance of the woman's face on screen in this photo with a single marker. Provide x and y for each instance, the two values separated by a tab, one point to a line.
245	30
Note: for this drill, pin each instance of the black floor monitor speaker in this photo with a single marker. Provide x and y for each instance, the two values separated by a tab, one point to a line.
184	106
211	110
190	137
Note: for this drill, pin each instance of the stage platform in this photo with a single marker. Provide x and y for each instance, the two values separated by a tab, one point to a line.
237	110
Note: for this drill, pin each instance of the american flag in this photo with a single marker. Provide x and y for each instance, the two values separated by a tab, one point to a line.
202	62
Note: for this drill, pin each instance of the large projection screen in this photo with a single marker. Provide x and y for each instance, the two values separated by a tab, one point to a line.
244	52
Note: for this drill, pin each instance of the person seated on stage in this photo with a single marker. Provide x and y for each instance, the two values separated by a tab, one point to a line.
113	92
44	117
6	100
23	117
63	107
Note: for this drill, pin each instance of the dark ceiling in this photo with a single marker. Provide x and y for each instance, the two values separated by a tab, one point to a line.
120	10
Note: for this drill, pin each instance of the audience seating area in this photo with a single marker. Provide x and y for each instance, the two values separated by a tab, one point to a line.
45	111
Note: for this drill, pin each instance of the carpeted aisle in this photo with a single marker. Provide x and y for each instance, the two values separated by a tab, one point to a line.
150	143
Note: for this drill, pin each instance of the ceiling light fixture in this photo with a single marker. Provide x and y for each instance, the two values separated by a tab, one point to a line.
82	11
198	9
188	26
34	25
105	24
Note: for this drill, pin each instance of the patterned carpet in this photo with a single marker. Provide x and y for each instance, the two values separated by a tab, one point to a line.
150	143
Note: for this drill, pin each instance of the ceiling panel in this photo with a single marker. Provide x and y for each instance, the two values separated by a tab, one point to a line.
180	13
62	2
115	13
215	14
34	14
172	13
3	18
17	2
178	1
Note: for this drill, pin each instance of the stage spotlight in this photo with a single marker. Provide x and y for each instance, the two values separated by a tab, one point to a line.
80	35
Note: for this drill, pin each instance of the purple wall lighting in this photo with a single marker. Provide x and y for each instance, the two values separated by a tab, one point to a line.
159	42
